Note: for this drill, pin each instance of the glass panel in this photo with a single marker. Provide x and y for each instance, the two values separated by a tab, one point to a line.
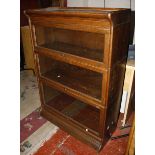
80	79
83	44
72	108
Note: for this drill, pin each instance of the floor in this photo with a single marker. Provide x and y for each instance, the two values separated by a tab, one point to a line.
64	144
47	139
29	102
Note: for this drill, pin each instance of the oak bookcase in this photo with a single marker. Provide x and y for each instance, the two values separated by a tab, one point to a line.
80	56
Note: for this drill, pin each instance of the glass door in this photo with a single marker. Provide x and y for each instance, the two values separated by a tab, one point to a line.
76	78
86	116
79	43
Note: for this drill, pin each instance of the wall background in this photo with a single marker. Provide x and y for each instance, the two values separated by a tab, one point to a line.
102	3
109	4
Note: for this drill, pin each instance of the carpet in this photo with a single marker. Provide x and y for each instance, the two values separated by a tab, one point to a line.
62	143
34	131
30	124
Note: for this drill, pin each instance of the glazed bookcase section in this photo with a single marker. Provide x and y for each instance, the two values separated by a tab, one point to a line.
79	43
76	78
84	115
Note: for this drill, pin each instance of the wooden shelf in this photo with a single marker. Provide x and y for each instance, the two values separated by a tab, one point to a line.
87	84
93	65
93	54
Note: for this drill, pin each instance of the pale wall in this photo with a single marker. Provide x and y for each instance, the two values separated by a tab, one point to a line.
102	3
77	3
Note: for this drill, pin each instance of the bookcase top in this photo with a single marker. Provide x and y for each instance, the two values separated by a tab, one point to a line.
78	11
